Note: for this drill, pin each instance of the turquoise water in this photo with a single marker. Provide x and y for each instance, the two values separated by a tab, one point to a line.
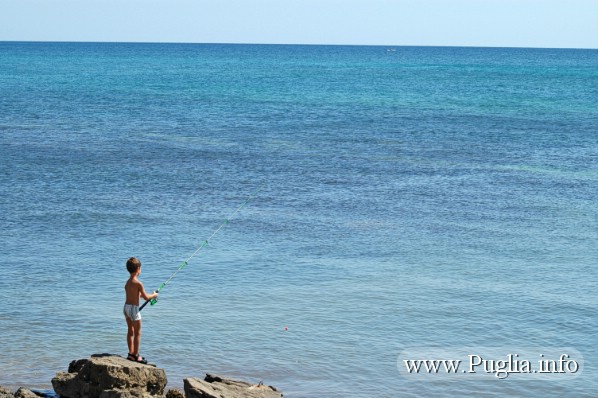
423	197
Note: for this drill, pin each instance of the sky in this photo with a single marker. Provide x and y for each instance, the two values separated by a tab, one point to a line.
482	23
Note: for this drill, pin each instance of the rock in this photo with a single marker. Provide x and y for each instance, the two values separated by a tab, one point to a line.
110	376
25	393
219	387
6	393
175	394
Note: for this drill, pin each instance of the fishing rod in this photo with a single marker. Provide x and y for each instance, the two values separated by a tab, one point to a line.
203	244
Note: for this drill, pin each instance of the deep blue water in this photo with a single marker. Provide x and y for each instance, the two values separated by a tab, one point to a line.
423	197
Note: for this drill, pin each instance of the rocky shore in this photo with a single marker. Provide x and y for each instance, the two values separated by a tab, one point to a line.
112	376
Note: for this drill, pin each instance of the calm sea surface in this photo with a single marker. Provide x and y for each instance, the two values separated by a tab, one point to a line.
443	198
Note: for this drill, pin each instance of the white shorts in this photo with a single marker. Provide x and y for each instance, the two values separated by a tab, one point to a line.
132	312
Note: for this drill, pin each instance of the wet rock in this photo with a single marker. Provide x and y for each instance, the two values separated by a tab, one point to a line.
110	376
220	387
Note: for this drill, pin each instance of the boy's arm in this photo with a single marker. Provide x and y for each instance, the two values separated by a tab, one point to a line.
144	294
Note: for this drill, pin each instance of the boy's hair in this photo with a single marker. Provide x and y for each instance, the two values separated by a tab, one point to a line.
133	264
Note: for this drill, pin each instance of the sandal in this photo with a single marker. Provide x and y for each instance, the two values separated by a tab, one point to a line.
137	358
141	359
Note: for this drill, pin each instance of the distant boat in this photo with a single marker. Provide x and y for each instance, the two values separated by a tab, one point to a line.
391	50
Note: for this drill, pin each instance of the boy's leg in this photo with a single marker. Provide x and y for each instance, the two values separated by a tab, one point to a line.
136	336
130	335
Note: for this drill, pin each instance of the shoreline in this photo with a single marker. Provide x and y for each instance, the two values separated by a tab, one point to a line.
113	376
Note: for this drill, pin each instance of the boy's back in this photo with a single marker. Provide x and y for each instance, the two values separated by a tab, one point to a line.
133	288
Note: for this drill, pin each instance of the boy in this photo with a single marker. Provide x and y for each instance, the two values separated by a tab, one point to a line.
134	289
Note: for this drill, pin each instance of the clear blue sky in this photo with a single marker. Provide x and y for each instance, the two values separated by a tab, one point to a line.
511	23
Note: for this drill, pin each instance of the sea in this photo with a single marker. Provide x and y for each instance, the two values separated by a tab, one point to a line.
409	207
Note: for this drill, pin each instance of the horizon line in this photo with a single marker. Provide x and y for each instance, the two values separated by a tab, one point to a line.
293	44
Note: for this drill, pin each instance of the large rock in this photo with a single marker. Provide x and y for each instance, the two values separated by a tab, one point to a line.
219	387
110	376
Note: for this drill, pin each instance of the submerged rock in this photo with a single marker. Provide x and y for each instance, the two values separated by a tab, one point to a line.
110	376
220	387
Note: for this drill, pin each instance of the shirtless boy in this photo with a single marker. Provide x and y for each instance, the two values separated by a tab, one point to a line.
134	289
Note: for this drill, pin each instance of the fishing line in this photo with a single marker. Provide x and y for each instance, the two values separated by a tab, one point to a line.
203	244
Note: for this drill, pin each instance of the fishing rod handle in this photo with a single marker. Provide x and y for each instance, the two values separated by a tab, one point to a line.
144	304
150	301
155	299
